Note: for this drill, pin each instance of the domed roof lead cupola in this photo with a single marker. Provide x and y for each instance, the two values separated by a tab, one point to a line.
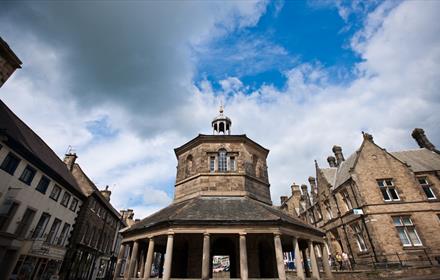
221	124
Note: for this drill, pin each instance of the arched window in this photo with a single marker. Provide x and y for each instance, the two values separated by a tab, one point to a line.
222	127
189	166
222	161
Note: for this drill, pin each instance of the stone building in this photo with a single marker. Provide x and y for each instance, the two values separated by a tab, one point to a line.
39	201
9	62
222	208
377	206
94	243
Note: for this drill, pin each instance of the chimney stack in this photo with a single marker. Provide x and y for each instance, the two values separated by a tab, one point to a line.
368	136
106	193
337	150
312	182
419	135
295	189
304	189
283	199
69	160
331	161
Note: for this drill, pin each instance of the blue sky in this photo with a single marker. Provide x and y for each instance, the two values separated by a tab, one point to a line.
125	83
287	34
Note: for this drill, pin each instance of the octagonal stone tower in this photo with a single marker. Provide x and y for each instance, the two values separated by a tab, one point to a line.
222	165
221	207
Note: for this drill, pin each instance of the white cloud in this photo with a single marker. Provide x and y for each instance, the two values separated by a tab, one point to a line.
396	90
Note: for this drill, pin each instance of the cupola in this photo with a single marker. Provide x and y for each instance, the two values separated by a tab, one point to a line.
221	124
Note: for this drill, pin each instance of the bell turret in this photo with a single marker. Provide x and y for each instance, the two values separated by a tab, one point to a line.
221	124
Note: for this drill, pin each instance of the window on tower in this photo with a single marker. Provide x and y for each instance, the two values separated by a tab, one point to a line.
212	164
222	161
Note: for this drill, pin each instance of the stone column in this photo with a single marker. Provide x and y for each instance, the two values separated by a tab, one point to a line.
298	264
133	260
279	257
206	257
327	269
119	261
168	257
243	257
149	260
314	263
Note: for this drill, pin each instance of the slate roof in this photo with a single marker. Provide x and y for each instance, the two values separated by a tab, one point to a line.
330	174
343	173
219	211
27	143
420	159
96	192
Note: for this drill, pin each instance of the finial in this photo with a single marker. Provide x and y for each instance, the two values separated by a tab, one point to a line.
221	107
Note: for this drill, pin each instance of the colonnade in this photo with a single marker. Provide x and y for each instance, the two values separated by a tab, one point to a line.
132	269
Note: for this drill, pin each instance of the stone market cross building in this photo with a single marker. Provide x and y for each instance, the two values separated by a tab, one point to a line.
221	206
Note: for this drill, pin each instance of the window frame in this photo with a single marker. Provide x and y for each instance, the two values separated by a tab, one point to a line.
38	187
28	170
10	163
211	164
222	162
63	235
9	215
426	186
358	232
346	198
385	189
66	193
40	233
328	209
55	186
73	206
232	163
404	227
53	231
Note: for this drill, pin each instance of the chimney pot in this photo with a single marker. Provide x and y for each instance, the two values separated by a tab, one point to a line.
337	150
419	135
331	161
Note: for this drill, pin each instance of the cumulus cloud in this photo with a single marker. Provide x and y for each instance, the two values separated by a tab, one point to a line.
132	73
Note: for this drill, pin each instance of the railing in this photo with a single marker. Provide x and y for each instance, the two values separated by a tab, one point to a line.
414	257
